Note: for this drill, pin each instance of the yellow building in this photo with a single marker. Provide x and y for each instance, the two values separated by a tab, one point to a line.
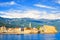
47	29
17	30
34	30
27	30
14	30
30	30
3	29
41	30
10	30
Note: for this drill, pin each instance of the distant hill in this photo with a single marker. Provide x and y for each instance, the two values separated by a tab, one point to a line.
24	22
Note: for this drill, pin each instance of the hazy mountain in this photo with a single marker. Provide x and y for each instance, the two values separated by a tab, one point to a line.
24	22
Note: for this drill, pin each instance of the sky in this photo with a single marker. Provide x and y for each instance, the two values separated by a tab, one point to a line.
36	9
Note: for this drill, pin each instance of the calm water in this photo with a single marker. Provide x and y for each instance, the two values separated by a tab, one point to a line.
30	37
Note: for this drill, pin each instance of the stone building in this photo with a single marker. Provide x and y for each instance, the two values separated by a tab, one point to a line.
27	30
48	29
34	30
3	29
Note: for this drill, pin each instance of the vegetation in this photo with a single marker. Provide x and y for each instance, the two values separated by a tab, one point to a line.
38	27
24	22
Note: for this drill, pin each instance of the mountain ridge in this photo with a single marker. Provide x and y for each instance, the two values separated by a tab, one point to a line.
24	22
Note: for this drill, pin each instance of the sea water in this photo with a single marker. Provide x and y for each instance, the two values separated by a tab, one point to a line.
30	36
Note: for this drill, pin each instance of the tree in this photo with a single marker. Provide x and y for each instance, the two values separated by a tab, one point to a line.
38	27
2	23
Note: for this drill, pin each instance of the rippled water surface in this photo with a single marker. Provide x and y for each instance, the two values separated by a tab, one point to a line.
30	37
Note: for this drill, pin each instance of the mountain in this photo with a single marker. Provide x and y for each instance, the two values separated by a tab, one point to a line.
24	22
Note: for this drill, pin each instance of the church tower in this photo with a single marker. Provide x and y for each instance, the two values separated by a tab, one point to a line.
30	25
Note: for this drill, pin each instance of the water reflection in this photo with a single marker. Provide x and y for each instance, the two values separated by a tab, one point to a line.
30	37
49	37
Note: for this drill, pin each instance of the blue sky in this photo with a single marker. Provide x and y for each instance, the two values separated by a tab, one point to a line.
37	9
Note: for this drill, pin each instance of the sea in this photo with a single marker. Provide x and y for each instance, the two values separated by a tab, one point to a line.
30	36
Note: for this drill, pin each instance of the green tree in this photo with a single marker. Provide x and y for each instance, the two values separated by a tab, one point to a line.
38	27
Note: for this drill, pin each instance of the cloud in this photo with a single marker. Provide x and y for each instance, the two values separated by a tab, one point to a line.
57	1
7	3
51	16
18	14
43	6
30	14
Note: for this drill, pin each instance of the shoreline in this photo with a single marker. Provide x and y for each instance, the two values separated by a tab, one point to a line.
28	33
28	30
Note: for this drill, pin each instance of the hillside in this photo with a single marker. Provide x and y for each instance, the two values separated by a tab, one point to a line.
24	22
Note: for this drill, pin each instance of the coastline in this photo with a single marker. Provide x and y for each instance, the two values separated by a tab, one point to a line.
28	33
28	30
